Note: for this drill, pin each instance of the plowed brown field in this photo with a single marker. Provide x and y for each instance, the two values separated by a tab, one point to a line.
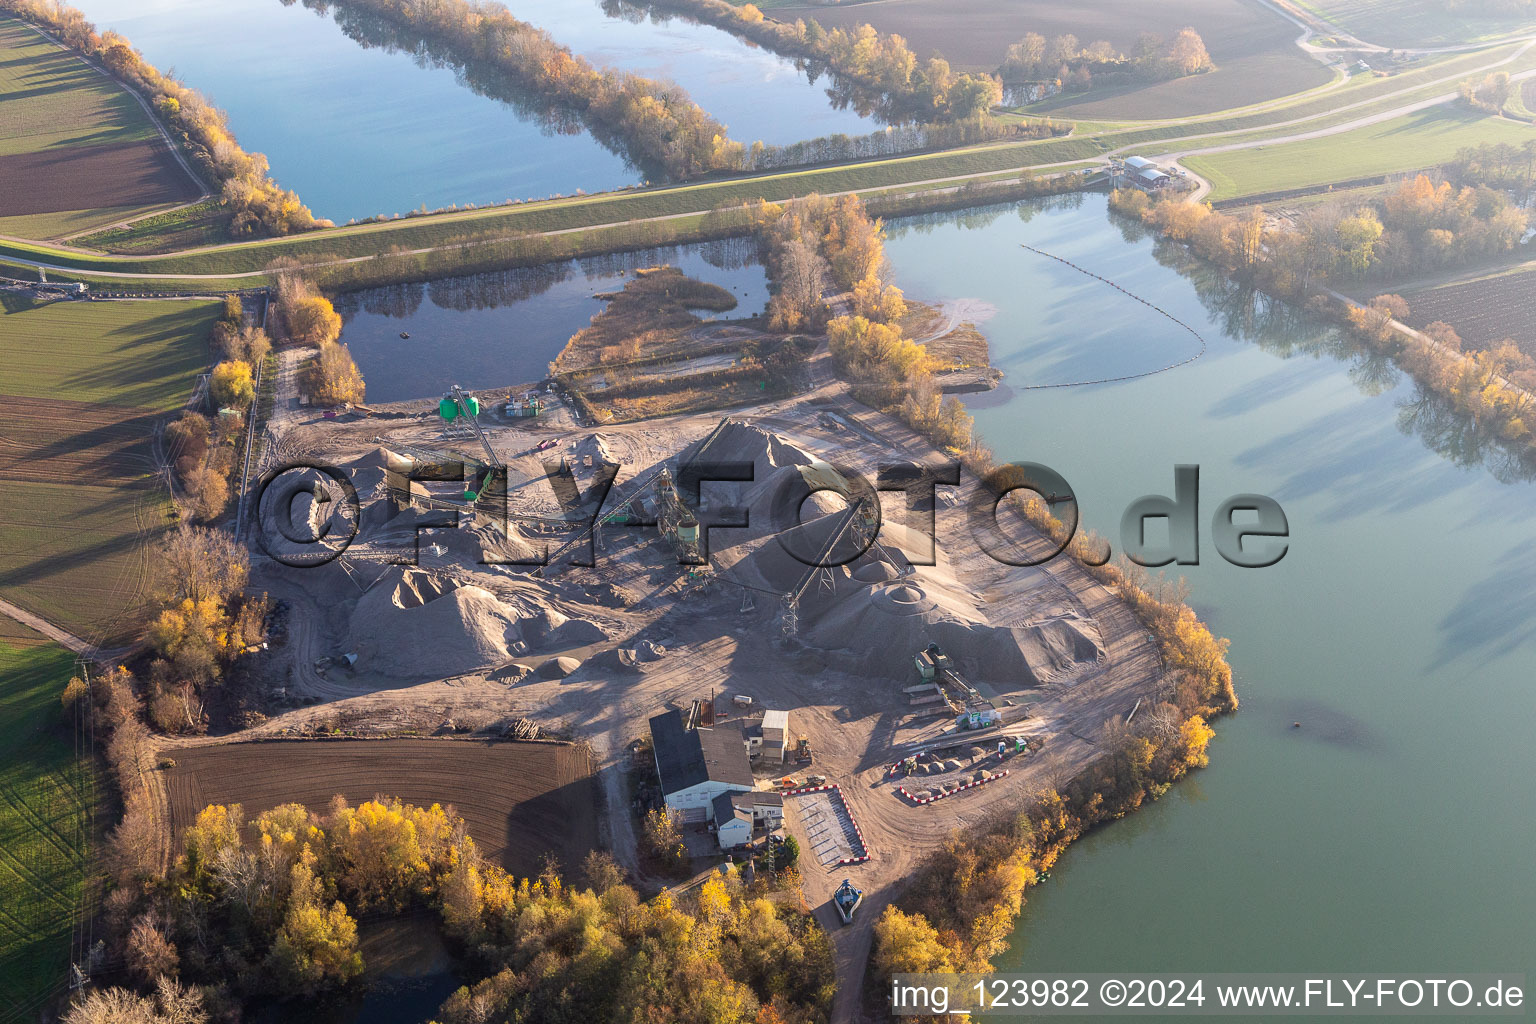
519	800
92	177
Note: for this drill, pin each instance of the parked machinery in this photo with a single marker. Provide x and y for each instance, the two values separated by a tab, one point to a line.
847	899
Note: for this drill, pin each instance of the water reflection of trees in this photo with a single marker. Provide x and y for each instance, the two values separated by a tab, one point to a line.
1285	330
371	31
505	287
844	93
977	217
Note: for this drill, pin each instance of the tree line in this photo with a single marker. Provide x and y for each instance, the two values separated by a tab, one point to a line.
1419	225
260	206
907	89
202	448
200	623
660	128
267	908
1068	64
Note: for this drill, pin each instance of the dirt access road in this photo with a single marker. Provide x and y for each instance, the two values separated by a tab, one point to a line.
64	638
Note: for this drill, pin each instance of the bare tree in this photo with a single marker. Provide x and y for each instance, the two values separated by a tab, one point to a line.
151	956
802	279
202	563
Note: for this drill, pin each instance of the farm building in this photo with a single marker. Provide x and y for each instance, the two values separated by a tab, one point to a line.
1146	175
769	738
698	765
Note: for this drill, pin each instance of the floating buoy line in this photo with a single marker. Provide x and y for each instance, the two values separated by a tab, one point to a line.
1152	306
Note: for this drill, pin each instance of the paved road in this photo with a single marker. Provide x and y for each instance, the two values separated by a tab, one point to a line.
1171	156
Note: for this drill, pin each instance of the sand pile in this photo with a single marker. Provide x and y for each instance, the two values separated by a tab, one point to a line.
398	634
415	623
597	447
558	668
875	628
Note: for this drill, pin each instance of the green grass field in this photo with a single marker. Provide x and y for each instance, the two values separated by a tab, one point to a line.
80	392
49	98
52	102
1403	144
47	797
1401	23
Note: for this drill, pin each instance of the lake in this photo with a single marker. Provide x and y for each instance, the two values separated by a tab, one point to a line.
494	330
1391	832
358	131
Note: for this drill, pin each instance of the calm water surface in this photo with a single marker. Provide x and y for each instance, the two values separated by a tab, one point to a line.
493	330
1392	831
358	131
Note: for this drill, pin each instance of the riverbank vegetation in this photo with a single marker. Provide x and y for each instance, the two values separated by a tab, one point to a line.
649	354
1417	226
259	205
658	126
877	72
204	623
267	909
959	907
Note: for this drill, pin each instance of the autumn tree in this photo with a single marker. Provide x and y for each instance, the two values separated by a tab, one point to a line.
316	947
231	384
208	490
171	1003
186	439
908	944
1187	54
334	378
664	839
151	956
312	320
801	280
877	302
198	563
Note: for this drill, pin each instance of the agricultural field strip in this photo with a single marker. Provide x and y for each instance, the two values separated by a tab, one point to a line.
80	398
128	268
492	786
45	798
74	106
149	126
1370	149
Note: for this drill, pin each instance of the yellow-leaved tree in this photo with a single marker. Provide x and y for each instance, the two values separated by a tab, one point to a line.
231	384
316	946
334	378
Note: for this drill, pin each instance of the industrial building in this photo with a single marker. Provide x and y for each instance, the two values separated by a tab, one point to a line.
770	737
736	815
1146	175
698	765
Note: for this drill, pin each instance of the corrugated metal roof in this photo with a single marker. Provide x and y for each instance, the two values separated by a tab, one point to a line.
1138	162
